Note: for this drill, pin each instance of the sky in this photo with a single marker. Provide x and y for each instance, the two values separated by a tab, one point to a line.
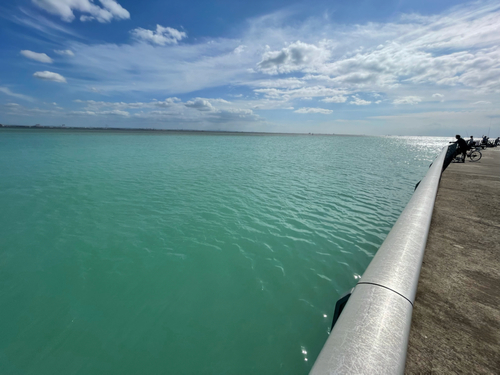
393	67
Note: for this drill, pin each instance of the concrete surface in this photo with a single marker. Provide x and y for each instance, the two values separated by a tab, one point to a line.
456	317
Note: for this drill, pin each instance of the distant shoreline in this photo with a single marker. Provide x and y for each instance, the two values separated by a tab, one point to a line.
226	132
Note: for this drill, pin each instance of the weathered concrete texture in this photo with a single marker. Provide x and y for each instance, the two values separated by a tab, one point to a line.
456	316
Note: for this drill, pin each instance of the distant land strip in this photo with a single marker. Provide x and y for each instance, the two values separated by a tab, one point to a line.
227	132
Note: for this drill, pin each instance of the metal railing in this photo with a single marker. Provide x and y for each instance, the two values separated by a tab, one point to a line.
371	334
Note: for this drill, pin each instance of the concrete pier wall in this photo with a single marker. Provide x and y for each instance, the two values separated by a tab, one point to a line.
456	315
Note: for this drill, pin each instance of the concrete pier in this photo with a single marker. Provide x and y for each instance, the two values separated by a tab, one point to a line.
456	315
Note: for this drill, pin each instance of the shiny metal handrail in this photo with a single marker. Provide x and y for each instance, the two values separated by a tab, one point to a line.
371	335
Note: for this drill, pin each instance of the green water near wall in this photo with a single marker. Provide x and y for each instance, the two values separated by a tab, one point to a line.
139	253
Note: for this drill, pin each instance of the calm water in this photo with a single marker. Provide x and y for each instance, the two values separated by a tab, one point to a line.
137	253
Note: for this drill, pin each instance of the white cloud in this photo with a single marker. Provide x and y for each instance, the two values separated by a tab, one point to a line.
357	101
412	100
200	105
114	112
288	83
295	56
314	110
167	102
218	101
41	57
64	52
170	103
240	49
266	103
96	106
7	91
302	92
81	113
162	35
49	76
437	95
335	99
64	8
233	114
171	110
174	108
481	102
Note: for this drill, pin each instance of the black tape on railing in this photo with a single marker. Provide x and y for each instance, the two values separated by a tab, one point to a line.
339	306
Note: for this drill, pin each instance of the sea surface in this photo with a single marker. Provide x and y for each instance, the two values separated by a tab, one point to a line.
176	253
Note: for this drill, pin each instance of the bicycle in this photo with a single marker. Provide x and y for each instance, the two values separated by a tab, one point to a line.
474	154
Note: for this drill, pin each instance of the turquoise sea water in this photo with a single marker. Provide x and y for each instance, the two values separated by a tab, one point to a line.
140	253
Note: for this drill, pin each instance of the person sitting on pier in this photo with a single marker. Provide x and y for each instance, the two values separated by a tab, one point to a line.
462	147
471	142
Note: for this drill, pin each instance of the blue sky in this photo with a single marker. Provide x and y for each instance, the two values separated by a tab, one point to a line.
356	67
